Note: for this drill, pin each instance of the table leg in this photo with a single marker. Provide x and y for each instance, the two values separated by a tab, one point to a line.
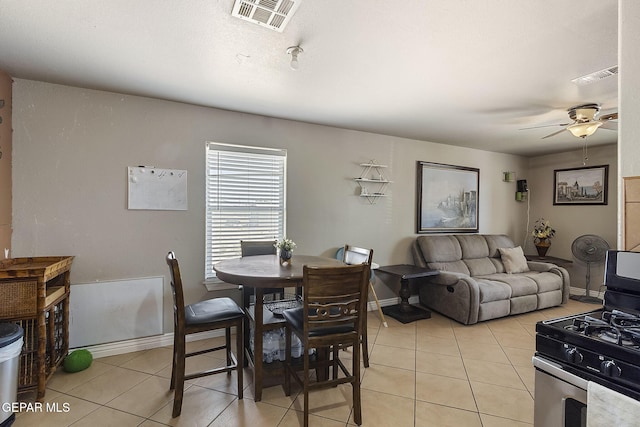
405	312
364	342
246	303
257	345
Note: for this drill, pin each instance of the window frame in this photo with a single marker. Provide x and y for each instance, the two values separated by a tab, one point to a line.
237	198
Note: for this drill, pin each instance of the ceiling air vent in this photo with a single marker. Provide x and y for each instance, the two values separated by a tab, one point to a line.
597	76
273	14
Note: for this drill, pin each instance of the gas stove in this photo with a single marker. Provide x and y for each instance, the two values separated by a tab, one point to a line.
575	354
602	345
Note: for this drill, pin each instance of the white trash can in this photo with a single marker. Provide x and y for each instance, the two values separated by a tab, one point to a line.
10	348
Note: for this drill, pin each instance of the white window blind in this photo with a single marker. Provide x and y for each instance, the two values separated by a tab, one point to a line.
245	199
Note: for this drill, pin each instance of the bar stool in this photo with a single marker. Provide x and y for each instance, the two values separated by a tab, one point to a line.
208	315
331	318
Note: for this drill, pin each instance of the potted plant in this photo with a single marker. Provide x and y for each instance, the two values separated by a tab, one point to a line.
542	234
285	247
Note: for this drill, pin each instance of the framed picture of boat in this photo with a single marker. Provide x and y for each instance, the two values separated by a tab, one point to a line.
447	198
581	186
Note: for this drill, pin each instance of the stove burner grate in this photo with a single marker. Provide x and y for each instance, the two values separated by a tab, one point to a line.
615	327
621	319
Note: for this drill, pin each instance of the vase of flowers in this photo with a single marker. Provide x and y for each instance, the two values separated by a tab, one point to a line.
285	248
542	234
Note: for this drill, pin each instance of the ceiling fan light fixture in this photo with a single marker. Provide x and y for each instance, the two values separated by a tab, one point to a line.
584	129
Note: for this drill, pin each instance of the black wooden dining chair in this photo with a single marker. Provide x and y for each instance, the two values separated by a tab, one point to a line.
207	315
253	248
331	317
257	247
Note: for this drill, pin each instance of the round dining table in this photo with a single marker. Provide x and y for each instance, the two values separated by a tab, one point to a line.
262	272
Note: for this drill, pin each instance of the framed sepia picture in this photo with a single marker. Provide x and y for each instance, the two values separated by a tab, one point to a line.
447	198
581	186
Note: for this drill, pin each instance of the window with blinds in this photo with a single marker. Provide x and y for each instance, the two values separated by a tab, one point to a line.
245	198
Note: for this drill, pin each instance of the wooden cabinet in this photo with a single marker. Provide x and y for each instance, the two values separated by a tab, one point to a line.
631	214
34	293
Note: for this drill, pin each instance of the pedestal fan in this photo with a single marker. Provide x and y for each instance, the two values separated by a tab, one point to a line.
590	249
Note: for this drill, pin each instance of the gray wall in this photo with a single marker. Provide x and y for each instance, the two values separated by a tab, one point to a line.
573	221
72	147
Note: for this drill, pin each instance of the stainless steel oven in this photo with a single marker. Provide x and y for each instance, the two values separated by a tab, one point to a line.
560	397
600	346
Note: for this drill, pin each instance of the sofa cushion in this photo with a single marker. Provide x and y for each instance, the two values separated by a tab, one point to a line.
473	246
491	290
480	266
523	304
494	309
520	284
546	281
495	241
455	267
440	248
513	260
549	299
497	262
442	253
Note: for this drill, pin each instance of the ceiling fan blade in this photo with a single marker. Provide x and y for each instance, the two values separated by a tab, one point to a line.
609	126
546	126
606	117
553	134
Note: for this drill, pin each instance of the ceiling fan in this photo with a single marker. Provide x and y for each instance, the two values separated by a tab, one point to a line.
584	122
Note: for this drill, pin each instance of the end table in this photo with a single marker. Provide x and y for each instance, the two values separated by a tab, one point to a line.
405	312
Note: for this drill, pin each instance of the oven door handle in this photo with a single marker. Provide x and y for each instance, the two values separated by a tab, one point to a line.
557	371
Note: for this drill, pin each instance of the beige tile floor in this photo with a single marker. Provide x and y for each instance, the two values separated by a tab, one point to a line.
433	372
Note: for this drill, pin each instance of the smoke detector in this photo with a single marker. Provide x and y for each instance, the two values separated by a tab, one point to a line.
273	14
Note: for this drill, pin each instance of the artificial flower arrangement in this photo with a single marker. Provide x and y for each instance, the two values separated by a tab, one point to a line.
286	250
285	244
542	230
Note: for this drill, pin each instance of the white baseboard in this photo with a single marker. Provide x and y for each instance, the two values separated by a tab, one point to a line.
371	306
147	343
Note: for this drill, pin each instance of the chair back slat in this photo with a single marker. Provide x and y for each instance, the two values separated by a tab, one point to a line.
257	247
177	292
334	296
355	255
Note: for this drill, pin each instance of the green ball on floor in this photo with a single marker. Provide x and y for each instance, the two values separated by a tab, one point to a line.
77	360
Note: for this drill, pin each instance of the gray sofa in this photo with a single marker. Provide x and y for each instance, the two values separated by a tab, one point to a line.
473	284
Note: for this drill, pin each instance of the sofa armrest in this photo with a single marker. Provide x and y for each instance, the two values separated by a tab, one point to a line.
560	271
448	278
566	281
540	266
456	295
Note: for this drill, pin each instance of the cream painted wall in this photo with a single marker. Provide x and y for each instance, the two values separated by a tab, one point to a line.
72	147
573	221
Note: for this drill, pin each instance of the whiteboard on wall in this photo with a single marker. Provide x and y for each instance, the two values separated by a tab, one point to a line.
157	189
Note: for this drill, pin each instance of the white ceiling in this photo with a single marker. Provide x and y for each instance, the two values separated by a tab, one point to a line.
461	72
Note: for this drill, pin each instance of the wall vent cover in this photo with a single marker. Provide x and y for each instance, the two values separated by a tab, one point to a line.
273	14
596	76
